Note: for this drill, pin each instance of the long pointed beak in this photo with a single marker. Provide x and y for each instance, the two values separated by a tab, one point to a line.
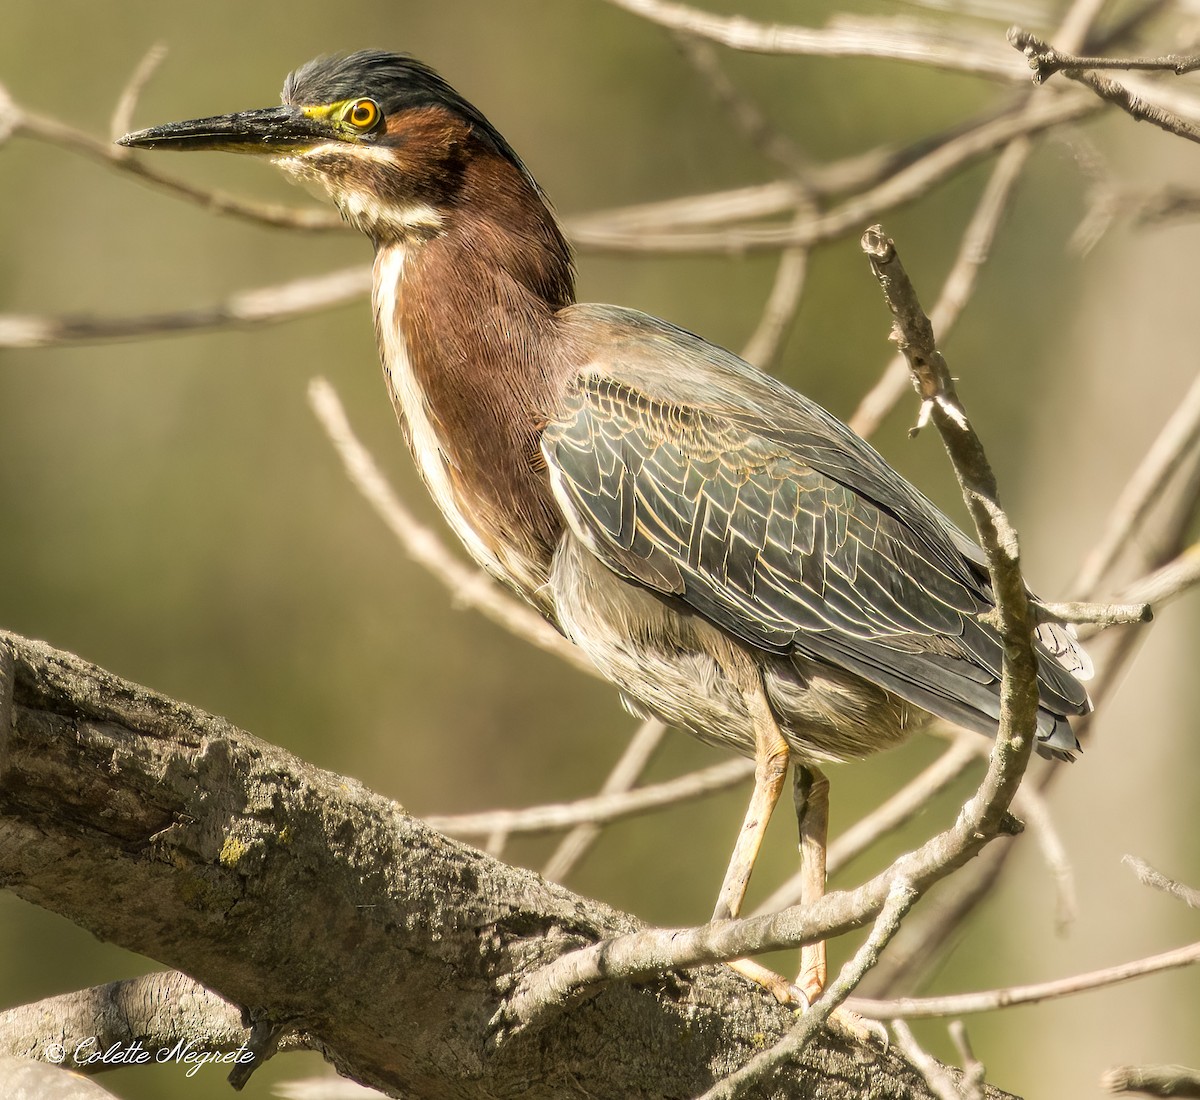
270	130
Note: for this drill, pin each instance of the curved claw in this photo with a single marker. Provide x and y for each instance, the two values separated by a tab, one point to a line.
785	992
860	1028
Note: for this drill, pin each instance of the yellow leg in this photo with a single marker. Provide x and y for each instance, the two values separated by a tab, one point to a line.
771	761
770	770
811	790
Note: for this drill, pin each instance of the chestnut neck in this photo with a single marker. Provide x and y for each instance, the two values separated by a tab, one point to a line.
476	301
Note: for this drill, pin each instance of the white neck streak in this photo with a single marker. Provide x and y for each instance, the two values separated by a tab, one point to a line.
420	427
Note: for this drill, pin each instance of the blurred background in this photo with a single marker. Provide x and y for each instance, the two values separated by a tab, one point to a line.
170	510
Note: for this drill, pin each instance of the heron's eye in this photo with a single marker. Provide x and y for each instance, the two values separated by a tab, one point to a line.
363	114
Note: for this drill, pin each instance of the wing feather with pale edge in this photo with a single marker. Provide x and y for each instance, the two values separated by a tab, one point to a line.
686	470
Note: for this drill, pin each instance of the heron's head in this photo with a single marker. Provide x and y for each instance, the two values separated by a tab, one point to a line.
383	134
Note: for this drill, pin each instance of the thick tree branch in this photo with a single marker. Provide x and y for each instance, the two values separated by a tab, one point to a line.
320	907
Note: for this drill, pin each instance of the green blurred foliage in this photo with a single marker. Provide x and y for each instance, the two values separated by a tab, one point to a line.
171	511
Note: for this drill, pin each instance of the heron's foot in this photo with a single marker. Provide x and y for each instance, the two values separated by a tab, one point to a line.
849	1024
776	984
858	1028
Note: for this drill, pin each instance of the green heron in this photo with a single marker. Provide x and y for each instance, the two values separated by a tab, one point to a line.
734	558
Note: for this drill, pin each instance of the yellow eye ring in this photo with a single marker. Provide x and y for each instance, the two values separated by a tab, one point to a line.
363	114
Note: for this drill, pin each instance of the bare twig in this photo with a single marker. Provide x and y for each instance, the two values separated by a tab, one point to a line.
959	285
1135	105
900	900
927	935
597	809
963	1004
930	933
266	305
743	111
974	1073
782	303
1094	614
122	115
902	186
1168	581
470	587
936	1076
1159	881
784	300
42	128
759	200
624	776
1179	436
1045	60
1153	1080
1030	804
863	39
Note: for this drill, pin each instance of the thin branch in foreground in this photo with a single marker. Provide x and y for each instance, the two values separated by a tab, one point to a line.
597	809
1153	1080
962	1004
1134	105
470	587
624	776
1151	877
265	305
16	120
900	900
931	930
